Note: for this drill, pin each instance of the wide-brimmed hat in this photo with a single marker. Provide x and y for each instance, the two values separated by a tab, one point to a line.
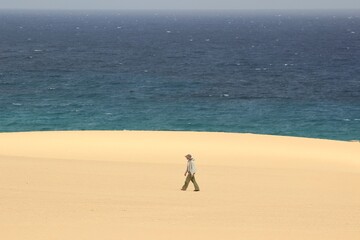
188	156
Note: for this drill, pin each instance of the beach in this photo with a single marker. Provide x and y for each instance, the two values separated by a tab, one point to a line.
126	185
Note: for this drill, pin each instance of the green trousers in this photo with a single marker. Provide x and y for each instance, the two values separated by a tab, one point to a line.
190	177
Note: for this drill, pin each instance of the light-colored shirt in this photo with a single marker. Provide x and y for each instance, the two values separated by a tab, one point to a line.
191	166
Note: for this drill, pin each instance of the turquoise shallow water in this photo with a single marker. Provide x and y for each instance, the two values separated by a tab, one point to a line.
279	73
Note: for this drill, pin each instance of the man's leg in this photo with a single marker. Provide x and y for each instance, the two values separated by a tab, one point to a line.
187	181
195	183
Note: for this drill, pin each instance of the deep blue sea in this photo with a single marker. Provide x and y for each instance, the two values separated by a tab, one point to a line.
269	72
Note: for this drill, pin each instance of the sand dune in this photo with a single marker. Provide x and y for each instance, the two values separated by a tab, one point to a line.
126	185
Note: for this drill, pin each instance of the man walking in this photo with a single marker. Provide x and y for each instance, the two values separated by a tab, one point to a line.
190	172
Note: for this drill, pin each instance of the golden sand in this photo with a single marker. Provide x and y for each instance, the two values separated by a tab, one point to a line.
126	185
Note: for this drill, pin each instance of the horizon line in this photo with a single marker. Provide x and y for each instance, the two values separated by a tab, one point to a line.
182	9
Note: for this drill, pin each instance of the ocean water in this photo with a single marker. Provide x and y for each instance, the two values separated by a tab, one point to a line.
268	72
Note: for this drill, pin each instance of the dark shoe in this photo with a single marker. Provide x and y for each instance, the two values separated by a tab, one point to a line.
183	189
196	190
